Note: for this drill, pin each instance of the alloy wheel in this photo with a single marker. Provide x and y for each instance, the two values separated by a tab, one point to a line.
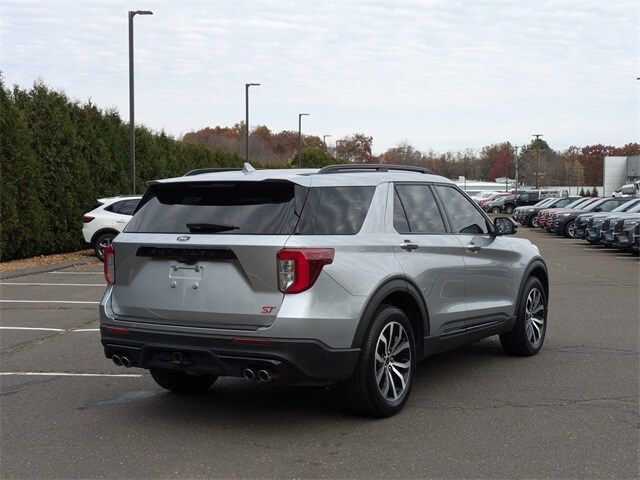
393	361
571	229
534	317
534	221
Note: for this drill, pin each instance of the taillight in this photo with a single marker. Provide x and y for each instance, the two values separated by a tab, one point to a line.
87	219
110	264
298	269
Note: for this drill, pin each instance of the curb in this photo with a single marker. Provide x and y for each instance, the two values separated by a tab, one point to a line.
45	268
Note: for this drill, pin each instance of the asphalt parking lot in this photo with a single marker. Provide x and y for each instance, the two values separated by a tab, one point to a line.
571	411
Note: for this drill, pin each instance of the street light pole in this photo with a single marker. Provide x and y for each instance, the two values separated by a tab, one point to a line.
132	121
324	140
246	124
516	165
300	115
537	135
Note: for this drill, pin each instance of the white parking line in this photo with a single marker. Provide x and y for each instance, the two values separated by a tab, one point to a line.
46	329
55	284
77	273
67	374
46	301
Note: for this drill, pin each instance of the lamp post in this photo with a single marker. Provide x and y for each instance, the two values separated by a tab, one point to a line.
515	161
324	140
537	135
132	124
300	115
246	125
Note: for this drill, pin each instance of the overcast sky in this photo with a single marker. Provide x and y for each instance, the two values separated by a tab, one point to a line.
442	75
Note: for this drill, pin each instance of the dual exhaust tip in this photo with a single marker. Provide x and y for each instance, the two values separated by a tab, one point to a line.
123	361
264	376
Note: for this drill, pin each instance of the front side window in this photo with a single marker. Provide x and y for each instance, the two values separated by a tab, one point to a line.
415	210
463	214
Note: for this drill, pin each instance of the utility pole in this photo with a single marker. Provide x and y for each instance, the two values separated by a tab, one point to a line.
246	123
300	115
537	135
132	120
515	147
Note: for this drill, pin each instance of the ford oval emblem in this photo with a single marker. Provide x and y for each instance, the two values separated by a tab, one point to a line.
183	238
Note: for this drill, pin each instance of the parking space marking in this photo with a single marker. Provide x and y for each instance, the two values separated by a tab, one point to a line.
68	374
77	273
47	301
46	329
27	284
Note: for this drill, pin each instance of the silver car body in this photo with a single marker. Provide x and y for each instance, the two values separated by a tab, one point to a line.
467	282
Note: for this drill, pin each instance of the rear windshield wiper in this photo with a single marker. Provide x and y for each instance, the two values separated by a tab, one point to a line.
210	227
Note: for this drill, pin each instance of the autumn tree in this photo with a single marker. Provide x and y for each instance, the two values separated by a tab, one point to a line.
355	148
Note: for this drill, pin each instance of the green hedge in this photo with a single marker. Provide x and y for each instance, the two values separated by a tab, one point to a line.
57	157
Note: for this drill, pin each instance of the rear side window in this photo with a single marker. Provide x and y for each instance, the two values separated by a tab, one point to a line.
415	210
335	210
254	208
115	207
463	214
129	207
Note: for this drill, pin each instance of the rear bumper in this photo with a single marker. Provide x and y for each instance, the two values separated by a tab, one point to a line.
295	360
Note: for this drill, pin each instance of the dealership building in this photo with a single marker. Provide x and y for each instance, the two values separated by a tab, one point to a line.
618	171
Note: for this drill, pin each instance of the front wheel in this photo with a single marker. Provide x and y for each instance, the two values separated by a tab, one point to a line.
182	382
381	382
570	229
533	221
509	209
495	210
528	333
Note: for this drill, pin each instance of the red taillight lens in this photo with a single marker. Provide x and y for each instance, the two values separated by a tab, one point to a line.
298	269
87	219
110	264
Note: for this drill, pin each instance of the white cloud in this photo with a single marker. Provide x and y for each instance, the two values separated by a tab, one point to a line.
441	74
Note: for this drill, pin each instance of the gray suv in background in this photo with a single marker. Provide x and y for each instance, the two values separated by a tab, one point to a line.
346	276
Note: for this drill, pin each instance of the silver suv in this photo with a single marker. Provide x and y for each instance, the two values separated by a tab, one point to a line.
348	275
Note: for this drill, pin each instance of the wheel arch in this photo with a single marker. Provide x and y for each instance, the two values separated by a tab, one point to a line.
405	295
102	231
538	269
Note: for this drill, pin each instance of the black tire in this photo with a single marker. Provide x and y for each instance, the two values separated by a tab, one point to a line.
532	222
101	242
182	382
568	228
517	341
361	392
495	210
509	209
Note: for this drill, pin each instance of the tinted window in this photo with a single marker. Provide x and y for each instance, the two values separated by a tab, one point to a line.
267	208
462	213
419	205
335	210
129	207
116	207
607	205
563	202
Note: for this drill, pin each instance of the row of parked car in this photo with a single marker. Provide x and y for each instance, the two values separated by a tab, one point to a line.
609	221
507	202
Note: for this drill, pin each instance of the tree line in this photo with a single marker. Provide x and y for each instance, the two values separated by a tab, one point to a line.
57	156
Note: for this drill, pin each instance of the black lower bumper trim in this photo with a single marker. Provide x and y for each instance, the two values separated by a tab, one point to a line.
288	359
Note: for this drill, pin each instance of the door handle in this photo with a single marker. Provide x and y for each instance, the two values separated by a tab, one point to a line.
473	248
408	246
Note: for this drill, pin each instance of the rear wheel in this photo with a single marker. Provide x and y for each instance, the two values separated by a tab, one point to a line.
101	243
182	382
381	382
528	333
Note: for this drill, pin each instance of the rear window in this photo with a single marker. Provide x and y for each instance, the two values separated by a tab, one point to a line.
335	210
254	208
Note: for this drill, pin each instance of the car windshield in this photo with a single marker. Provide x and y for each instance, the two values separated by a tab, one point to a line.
634	209
544	202
626	206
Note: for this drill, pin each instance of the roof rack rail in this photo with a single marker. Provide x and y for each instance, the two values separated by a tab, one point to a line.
377	167
198	171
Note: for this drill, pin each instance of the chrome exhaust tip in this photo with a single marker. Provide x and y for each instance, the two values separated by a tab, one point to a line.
116	359
265	376
248	374
125	362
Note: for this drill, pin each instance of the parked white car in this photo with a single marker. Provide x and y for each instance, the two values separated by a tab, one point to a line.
106	220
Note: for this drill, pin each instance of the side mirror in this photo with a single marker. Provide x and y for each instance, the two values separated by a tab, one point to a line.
505	226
